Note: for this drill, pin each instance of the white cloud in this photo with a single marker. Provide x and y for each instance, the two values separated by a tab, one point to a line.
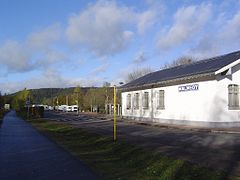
45	37
15	57
223	40
101	27
187	22
106	28
49	79
230	33
140	58
35	52
146	20
206	47
100	69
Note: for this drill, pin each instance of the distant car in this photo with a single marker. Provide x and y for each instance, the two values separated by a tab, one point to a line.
50	108
75	108
7	107
69	108
62	107
45	107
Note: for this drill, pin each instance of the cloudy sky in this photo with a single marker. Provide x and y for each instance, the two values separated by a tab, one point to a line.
62	43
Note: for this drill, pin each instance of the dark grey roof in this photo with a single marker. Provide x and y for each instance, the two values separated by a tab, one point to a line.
200	67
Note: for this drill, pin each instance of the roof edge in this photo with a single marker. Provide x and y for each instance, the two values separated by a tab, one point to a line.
227	67
187	79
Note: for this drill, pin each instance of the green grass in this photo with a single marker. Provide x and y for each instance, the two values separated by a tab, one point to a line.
119	160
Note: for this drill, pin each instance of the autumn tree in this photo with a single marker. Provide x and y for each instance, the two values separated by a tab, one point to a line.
20	99
78	97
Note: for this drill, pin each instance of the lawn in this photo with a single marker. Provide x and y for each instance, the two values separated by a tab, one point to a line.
119	160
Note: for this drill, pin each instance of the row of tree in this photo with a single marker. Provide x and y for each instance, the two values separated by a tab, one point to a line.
85	98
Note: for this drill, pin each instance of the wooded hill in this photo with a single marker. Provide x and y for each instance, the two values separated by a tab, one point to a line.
85	97
43	95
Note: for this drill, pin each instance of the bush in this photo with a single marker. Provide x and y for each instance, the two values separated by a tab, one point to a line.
34	112
2	114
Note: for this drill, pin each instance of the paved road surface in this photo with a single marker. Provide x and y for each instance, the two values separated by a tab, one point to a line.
26	154
214	150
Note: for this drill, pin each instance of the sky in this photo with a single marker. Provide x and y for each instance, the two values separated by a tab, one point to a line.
65	43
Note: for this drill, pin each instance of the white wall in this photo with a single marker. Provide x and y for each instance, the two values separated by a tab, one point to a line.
209	103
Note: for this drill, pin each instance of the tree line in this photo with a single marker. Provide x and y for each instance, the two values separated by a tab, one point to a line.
85	97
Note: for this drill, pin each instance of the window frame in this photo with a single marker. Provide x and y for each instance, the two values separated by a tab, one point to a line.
136	101
161	97
233	97
128	102
145	100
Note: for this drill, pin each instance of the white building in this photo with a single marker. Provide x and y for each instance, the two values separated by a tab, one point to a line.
203	93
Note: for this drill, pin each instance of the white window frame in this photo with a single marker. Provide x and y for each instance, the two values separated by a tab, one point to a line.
136	101
128	105
161	100
145	100
233	97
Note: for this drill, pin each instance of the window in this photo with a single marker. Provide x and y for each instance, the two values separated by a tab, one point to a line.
129	101
136	101
145	100
160	103
233	96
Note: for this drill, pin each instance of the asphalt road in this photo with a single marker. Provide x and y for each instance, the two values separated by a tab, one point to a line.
218	151
26	154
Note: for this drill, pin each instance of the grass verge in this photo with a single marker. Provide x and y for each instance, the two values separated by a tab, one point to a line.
119	160
2	114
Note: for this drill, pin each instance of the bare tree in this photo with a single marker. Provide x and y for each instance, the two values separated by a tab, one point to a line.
137	73
180	61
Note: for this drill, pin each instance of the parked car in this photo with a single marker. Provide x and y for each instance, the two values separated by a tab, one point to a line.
62	107
68	108
74	108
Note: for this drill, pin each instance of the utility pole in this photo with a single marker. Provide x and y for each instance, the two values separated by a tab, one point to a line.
114	114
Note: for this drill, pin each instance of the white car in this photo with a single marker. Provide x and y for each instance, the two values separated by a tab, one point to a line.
74	108
45	107
62	107
50	108
68	108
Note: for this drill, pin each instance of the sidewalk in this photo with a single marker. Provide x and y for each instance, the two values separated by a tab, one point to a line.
26	154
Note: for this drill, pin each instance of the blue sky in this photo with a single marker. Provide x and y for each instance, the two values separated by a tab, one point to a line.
62	43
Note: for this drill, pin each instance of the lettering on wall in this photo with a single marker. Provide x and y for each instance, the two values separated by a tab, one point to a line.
192	87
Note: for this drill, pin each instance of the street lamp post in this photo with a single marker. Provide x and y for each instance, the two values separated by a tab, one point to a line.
115	111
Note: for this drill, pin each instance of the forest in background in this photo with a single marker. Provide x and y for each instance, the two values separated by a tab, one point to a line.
86	97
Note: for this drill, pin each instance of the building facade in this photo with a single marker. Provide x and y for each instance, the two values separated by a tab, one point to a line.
205	93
